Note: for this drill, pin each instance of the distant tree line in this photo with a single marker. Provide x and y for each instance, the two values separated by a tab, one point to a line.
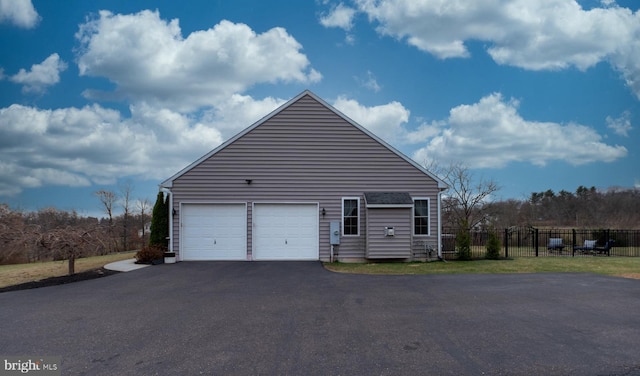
29	236
53	234
470	204
614	208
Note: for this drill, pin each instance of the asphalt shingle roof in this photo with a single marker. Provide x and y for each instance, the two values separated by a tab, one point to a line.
388	198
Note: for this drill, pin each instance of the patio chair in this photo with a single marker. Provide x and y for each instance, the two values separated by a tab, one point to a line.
589	246
555	244
606	249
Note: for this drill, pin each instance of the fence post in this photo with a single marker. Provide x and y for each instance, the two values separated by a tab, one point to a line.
573	243
506	243
535	240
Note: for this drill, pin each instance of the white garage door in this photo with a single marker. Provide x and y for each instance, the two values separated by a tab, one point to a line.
213	232
285	232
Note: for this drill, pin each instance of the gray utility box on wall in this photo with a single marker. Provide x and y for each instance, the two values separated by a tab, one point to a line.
334	229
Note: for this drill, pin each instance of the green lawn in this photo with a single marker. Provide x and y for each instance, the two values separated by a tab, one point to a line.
616	266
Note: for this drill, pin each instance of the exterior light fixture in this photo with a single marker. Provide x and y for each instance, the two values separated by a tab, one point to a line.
324	212
248	181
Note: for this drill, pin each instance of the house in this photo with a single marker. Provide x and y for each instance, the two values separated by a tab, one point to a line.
304	183
145	231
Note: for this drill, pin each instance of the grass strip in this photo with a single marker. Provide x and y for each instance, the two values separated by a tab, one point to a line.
616	266
20	273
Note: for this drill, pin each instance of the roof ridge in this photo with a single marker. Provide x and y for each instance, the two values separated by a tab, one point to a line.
168	183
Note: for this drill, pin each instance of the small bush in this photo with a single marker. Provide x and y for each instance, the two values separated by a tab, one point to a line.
149	253
493	246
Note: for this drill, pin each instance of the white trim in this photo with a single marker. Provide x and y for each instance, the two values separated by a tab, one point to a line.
342	216
413	217
287	202
440	224
389	206
204	202
170	198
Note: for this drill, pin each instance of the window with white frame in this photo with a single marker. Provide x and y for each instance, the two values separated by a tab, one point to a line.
351	216
421	216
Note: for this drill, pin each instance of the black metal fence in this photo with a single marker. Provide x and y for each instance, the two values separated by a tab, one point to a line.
553	242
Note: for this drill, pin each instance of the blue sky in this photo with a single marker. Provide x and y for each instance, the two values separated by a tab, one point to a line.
536	95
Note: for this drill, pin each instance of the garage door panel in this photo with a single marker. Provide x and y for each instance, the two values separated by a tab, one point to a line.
285	232
213	232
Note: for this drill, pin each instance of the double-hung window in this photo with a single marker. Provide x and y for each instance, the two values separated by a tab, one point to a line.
351	216
421	216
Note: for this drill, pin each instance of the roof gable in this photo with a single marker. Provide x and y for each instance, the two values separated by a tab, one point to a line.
169	182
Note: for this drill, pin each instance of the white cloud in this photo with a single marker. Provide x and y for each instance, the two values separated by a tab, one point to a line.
155	142
35	147
491	133
339	16
370	82
350	39
388	121
149	60
535	35
424	132
41	75
620	125
385	121
21	13
238	112
95	145
627	61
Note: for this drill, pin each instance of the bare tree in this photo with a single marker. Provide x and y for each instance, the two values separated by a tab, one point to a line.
143	206
108	200
18	239
466	201
125	202
70	243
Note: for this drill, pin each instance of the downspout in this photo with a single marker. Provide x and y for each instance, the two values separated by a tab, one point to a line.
440	226
169	194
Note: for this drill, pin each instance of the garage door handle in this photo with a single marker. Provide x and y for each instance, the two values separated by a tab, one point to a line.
285	241
214	241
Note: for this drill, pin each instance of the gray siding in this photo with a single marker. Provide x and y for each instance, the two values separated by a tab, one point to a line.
381	246
304	153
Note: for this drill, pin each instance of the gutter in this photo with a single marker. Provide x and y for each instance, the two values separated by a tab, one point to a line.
440	225
169	194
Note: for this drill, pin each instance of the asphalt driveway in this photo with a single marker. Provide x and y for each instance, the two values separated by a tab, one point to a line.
296	318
